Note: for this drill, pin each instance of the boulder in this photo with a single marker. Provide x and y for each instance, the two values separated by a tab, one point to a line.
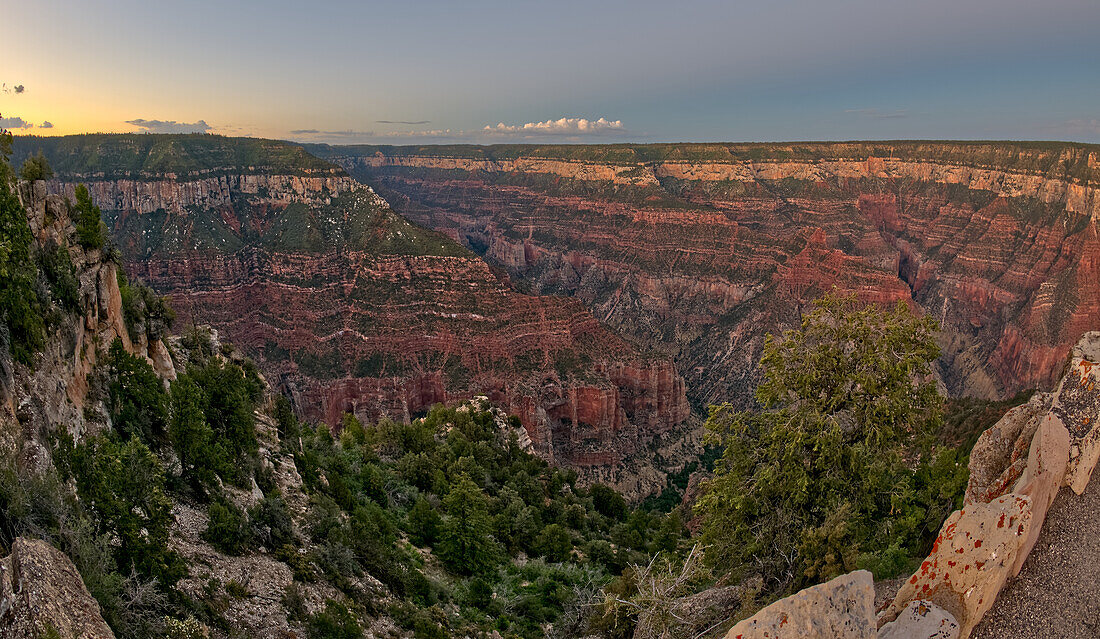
999	456
921	619
971	559
839	609
41	591
1077	404
1046	467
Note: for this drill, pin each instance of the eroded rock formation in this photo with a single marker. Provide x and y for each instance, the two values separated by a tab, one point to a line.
700	249
34	400
350	308
41	593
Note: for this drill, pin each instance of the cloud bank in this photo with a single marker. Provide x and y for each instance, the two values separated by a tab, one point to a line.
14	123
170	126
566	129
561	126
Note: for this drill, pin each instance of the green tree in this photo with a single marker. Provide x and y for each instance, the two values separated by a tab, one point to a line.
36	167
202	458
21	314
90	230
230	395
136	398
424	523
818	479
554	543
122	484
465	545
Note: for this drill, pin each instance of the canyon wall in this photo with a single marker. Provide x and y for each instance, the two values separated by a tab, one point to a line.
348	307
58	388
699	250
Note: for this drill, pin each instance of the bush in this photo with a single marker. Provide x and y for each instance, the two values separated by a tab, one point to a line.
227	529
122	485
555	544
136	398
57	266
334	622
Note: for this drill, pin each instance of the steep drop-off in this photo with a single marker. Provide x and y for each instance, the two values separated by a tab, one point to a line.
348	306
699	250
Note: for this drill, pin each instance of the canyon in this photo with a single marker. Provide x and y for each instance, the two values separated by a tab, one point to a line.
349	308
697	251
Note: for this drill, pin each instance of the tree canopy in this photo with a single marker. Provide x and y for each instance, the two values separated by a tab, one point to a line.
831	474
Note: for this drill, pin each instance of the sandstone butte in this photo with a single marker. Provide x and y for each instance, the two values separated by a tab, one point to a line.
699	250
1016	470
349	308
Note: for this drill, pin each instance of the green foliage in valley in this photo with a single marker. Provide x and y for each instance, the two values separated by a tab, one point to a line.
838	471
512	541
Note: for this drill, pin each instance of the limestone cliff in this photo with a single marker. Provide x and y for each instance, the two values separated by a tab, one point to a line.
700	249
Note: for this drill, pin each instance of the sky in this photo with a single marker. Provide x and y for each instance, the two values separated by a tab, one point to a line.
424	72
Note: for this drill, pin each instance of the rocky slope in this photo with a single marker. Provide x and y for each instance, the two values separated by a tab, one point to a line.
58	388
348	306
698	250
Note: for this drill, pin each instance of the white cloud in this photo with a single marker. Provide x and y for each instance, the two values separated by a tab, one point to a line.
561	126
170	126
46	125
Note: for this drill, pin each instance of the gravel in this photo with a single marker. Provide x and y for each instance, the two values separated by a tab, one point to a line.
1057	593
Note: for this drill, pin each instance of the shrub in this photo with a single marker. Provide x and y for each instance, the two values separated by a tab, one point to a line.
36	167
334	622
122	484
136	398
227	529
554	543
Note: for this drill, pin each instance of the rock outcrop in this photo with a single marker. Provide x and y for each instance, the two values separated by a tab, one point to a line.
41	593
921	620
55	390
839	609
1017	468
699	250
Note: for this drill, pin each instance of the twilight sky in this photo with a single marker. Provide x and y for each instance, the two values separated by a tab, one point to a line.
422	71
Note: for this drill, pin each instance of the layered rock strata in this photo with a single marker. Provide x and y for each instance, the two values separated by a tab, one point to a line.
701	249
351	309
